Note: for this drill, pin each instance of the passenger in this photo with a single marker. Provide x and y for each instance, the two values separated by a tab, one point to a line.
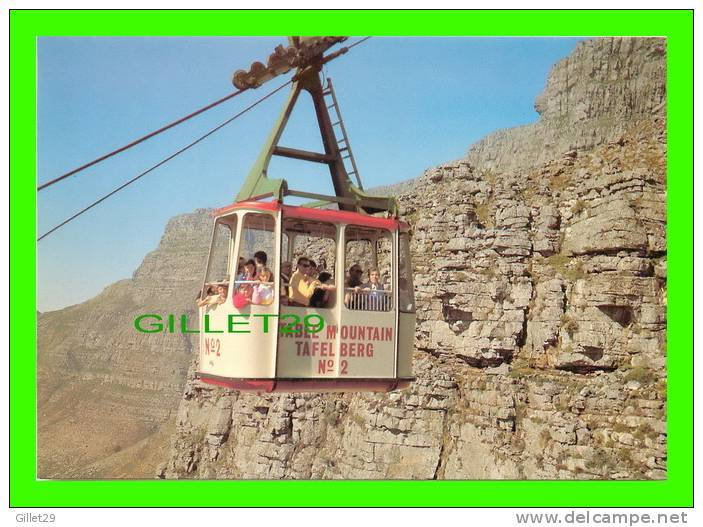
222	293
262	292
249	270
355	274
286	270
376	300
214	299
313	271
204	294
240	269
374	283
260	259
247	287
301	285
265	276
353	282
321	296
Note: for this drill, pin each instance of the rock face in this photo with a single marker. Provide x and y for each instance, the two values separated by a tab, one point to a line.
540	278
105	390
605	87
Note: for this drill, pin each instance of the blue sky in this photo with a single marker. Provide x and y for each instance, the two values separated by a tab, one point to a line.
408	104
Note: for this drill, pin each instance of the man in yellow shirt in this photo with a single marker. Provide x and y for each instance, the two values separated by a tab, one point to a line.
302	285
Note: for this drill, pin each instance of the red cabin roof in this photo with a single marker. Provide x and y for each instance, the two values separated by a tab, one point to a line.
326	215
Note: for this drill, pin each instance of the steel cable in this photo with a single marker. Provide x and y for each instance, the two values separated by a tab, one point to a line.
140	140
163	161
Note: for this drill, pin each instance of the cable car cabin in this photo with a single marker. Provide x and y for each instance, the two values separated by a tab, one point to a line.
353	333
278	324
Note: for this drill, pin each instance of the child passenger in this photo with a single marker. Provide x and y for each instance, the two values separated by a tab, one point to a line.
262	292
249	275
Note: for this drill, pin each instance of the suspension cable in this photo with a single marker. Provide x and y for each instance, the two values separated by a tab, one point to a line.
155	133
140	140
164	161
167	159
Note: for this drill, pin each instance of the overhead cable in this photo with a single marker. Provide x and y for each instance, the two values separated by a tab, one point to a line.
163	161
137	141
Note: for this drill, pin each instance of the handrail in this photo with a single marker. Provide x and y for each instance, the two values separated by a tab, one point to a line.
368	299
360	289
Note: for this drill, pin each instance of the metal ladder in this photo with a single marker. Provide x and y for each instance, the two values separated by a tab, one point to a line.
338	126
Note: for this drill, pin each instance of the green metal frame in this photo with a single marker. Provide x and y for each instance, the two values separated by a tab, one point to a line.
347	195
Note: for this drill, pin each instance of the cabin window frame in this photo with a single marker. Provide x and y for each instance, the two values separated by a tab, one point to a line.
387	302
292	237
405	271
271	256
231	222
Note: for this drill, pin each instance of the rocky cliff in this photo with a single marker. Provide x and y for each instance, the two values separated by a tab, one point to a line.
541	284
604	88
105	391
540	274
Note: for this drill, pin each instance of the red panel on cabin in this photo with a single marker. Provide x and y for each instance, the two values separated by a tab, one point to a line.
309	385
326	215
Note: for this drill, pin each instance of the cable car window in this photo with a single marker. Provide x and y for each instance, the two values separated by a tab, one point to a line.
256	265
368	269
315	243
219	262
406	290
